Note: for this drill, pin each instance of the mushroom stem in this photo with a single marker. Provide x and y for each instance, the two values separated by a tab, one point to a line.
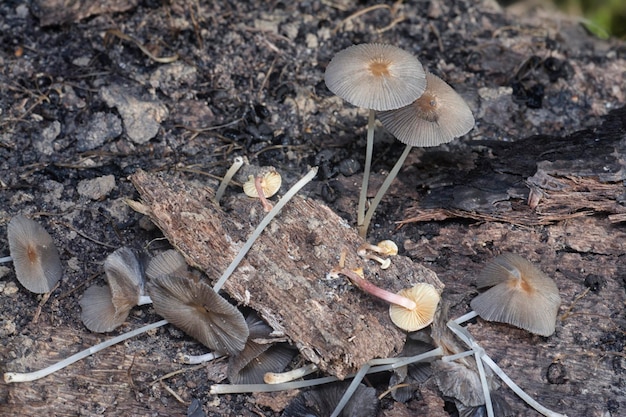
383	365
280	377
10	377
267	206
259	229
384	263
369	150
362	250
143	300
198	359
237	163
5	259
372	289
383	189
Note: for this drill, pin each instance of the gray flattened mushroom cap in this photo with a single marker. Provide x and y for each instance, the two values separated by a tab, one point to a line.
125	275
194	307
256	359
321	402
520	295
438	116
35	258
169	262
376	76
98	313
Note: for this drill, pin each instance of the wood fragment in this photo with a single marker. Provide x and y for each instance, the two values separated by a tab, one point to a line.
284	277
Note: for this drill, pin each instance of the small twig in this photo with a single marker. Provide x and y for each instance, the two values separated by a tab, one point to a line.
163	60
571	307
360	13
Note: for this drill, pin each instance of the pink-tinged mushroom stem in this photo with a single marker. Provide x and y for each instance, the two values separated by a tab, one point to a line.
372	289
267	206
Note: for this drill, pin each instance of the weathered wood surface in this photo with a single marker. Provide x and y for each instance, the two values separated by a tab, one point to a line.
285	275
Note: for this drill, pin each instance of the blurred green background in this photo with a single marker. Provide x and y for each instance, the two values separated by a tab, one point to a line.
603	18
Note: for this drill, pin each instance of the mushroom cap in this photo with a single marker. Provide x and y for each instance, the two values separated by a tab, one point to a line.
521	295
426	297
322	401
98	313
200	312
270	183
169	262
125	275
438	116
376	76
388	247
35	258
251	364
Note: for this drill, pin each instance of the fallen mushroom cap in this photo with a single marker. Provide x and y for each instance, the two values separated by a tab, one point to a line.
426	297
169	262
321	402
200	312
376	76
251	364
270	183
438	116
35	258
521	295
125	275
98	313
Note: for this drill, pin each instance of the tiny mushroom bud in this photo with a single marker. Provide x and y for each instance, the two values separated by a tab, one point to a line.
387	247
520	295
426	298
35	258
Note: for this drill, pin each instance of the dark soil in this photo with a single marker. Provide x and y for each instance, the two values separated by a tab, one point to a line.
83	107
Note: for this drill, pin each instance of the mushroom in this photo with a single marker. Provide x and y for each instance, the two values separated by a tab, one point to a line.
376	77
237	164
103	308
385	247
520	295
35	258
169	262
263	187
437	116
322	402
251	364
410	309
199	311
426	298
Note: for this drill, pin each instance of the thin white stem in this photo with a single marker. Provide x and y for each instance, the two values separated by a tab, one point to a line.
466	317
259	229
369	150
383	189
198	359
384	365
464	335
144	299
237	163
10	377
280	377
5	259
520	392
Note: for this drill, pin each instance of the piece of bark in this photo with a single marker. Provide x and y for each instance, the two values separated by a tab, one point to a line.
534	181
285	275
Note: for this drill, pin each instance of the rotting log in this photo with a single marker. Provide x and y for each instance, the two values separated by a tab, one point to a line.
284	277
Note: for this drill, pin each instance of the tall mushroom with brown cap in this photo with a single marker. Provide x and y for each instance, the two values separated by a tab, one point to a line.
436	117
35	258
377	77
194	307
520	295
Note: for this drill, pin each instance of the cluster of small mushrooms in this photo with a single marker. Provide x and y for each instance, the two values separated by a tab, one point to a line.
420	110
